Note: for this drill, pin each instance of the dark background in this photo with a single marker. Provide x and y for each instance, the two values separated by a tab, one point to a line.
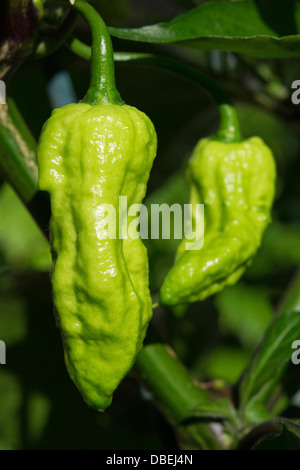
40	407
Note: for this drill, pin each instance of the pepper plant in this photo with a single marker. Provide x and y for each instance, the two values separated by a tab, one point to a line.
217	366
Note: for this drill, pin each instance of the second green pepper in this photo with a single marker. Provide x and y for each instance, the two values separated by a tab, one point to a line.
236	183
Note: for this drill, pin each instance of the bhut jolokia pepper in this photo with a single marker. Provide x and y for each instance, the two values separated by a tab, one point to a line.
89	154
235	180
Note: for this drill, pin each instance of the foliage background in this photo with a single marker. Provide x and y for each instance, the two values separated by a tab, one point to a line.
39	407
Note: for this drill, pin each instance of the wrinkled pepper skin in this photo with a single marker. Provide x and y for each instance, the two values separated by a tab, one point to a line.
88	156
236	184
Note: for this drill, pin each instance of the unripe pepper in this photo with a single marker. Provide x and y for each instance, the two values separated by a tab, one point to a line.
236	183
90	154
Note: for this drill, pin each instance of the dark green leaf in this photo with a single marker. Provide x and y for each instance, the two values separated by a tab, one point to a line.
268	365
259	28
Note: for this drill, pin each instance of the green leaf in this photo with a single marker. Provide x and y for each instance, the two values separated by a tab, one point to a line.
268	365
276	434
261	28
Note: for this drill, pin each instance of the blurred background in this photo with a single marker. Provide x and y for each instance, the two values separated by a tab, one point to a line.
40	407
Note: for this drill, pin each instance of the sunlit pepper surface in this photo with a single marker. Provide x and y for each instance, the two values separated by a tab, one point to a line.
236	184
89	156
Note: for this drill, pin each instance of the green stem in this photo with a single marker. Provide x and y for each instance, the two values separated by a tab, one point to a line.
102	88
18	165
22	128
229	129
177	400
176	393
16	157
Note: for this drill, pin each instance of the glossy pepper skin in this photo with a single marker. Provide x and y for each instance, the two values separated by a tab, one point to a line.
236	184
89	156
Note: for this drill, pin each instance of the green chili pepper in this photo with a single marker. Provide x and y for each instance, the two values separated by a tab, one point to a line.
89	154
236	183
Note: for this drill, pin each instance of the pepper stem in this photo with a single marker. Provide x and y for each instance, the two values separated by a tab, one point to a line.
102	88
229	129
